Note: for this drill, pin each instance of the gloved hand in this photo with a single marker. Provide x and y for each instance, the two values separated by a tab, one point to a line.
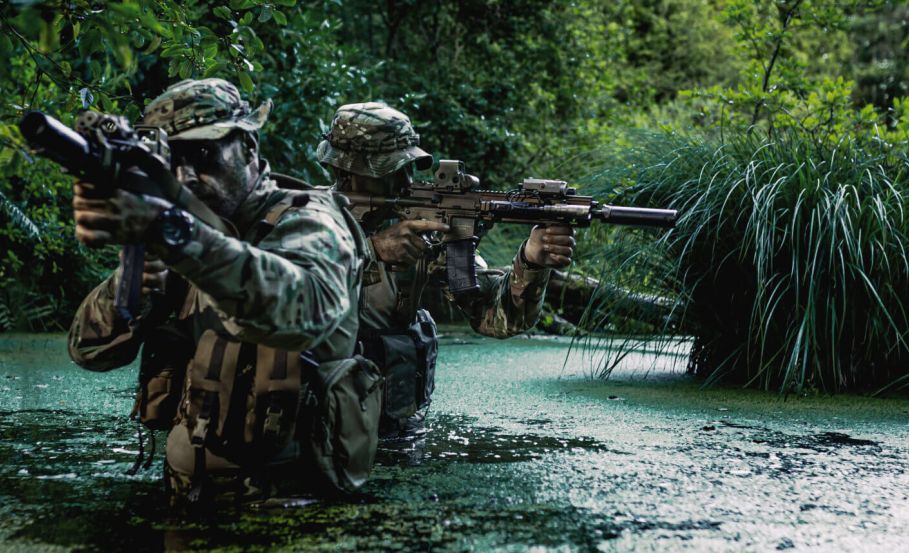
121	218
402	244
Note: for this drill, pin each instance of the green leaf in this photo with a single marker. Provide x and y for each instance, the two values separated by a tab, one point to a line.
223	12
242	4
215	70
48	39
288	3
265	14
246	82
153	45
185	69
280	18
173	51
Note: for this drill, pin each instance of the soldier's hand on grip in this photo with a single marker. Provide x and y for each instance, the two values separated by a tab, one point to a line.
550	246
402	244
120	218
154	274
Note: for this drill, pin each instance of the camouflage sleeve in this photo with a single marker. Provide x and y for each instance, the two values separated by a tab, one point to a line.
509	302
99	339
290	291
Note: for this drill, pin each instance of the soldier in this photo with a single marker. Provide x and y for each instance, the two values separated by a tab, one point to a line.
248	339
372	148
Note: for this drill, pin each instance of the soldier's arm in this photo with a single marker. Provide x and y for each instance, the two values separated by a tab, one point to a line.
99	339
289	292
509	302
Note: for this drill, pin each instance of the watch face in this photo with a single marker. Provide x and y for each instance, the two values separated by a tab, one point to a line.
176	228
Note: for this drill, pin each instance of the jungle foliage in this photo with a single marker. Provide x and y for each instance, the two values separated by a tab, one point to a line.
661	102
788	262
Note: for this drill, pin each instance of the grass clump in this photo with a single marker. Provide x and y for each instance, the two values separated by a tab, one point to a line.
789	258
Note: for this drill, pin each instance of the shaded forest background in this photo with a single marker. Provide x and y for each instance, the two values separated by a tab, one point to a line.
750	116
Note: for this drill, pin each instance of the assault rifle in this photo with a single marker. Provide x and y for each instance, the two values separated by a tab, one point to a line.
453	198
105	150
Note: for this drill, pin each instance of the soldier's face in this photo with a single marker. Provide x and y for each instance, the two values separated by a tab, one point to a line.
221	173
392	184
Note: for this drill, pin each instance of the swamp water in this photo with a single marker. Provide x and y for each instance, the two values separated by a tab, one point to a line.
523	454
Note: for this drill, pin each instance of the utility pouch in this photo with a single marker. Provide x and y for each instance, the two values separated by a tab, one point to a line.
339	421
243	411
426	339
161	372
407	358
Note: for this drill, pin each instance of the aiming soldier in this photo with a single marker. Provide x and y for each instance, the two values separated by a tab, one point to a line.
373	148
248	336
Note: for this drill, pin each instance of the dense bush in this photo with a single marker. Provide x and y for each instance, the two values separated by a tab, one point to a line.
789	257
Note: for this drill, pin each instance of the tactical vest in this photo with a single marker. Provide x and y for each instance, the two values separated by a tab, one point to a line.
405	348
247	402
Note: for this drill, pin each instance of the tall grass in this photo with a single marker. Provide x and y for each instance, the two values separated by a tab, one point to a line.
789	259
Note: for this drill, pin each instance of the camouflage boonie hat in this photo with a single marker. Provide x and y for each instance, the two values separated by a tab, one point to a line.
371	139
206	109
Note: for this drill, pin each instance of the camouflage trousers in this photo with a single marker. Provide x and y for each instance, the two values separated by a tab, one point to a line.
276	485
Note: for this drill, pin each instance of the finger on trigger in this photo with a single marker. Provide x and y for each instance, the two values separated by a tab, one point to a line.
417	241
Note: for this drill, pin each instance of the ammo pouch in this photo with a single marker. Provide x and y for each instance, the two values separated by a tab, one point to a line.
339	423
161	371
243	407
249	413
407	358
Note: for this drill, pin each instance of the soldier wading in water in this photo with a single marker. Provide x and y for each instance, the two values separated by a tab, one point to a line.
373	149
249	338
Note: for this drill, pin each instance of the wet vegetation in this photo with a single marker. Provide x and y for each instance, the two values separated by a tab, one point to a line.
527	456
789	261
779	129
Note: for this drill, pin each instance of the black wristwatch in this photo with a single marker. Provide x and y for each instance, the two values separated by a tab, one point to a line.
172	228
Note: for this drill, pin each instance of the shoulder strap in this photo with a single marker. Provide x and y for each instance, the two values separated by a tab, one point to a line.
277	210
291	183
364	253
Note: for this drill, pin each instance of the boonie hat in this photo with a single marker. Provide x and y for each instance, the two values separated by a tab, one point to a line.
206	109
371	139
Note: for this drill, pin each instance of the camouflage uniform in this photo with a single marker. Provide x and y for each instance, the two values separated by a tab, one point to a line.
374	140
288	279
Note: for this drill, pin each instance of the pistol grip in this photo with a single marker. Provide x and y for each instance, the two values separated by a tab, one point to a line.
129	290
461	265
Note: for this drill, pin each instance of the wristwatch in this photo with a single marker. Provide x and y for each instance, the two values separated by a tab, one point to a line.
172	228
